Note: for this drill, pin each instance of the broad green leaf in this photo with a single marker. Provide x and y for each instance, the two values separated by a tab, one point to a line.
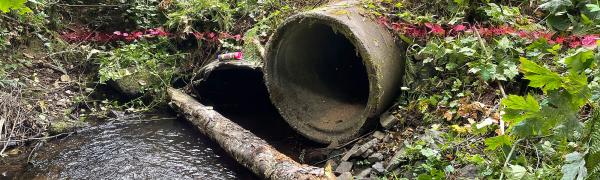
574	168
539	76
494	143
555	6
579	61
18	5
560	23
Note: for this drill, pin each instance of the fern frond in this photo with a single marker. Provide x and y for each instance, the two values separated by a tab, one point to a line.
593	156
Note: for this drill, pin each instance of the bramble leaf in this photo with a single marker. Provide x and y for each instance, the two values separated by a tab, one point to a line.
519	108
539	76
520	103
577	86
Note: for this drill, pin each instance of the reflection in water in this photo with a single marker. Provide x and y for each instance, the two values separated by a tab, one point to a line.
150	149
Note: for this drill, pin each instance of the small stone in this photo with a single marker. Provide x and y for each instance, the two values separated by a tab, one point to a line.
468	172
345	176
344	167
367	153
378	167
350	152
364	173
398	158
375	157
365	147
358	150
388	137
388	120
378	134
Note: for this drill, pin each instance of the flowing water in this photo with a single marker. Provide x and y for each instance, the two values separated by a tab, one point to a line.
148	147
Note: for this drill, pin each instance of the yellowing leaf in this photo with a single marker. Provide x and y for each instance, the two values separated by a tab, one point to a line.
459	129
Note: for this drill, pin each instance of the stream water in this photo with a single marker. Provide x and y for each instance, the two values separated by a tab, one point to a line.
147	147
162	146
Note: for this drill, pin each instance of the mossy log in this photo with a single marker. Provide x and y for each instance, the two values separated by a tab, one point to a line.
248	149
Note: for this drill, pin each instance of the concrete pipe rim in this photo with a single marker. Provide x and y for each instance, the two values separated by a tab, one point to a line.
356	124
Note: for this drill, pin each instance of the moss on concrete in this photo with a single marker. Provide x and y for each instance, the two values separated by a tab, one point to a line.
135	84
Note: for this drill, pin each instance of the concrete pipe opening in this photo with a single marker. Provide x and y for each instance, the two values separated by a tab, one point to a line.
328	74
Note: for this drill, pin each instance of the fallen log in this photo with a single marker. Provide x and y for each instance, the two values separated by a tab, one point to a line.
249	150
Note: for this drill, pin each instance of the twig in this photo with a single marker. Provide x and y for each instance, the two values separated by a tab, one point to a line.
350	142
325	160
93	5
38	138
502	126
512	150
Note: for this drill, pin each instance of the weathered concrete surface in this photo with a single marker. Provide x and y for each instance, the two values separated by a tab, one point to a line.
134	84
331	70
249	150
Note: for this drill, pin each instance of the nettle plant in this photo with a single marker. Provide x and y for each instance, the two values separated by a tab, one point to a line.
566	86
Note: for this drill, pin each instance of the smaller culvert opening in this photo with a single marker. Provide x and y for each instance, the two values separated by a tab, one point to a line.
320	76
240	95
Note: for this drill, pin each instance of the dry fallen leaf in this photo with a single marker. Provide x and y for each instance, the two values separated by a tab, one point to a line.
65	78
448	115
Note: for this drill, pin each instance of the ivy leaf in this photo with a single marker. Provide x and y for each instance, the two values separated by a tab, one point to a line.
539	76
510	69
574	168
579	61
519	108
504	43
494	143
555	6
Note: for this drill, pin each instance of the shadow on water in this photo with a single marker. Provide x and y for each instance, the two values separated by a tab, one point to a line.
146	147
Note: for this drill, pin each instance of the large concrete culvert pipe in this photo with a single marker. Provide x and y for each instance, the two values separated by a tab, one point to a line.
331	71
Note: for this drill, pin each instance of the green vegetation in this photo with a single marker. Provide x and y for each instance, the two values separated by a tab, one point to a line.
509	106
543	94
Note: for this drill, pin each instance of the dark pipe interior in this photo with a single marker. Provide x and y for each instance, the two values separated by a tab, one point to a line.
321	76
241	95
326	62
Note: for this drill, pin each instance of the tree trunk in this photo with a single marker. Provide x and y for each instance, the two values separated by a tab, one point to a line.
249	150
